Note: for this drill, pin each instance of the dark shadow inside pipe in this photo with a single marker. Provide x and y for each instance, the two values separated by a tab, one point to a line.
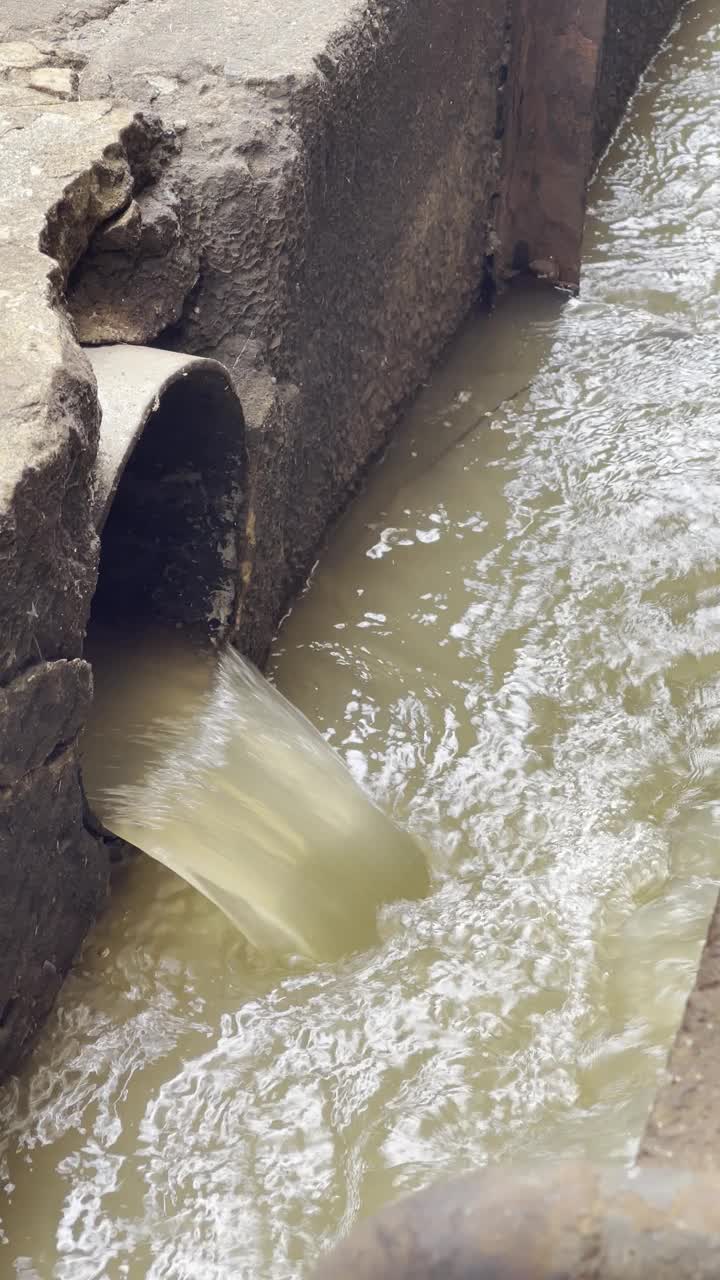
170	541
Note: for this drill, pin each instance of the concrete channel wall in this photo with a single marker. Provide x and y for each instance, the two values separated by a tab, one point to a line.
311	192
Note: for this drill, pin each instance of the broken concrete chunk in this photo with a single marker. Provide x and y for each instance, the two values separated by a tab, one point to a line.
138	270
121	232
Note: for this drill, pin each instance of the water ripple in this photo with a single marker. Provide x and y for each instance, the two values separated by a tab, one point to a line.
513	641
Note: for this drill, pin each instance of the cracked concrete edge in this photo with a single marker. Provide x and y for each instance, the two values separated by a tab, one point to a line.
66	167
684	1124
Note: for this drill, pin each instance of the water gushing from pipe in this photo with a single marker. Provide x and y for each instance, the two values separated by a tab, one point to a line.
236	791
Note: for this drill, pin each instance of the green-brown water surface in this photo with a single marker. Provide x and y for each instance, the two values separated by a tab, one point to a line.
512	640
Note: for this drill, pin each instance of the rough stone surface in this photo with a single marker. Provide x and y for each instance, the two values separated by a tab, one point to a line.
49	205
53	877
136	274
65	168
41	711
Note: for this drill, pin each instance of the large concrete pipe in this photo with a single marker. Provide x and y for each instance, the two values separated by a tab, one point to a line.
563	1222
169	486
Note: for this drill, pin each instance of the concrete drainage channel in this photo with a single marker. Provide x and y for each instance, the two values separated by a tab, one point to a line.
316	212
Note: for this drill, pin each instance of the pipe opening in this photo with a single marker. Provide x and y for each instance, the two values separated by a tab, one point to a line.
170	489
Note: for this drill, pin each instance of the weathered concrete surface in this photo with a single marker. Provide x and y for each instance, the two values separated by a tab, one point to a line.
42	711
136	274
684	1125
169	486
338	170
339	197
65	168
348	174
557	1222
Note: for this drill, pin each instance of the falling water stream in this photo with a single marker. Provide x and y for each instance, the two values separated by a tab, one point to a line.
210	770
513	641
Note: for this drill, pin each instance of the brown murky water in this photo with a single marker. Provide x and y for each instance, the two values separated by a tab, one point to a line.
513	642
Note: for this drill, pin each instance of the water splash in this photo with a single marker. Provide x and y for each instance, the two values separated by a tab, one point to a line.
243	798
537	692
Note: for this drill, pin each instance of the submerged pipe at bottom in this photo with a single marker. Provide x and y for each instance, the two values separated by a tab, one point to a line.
558	1222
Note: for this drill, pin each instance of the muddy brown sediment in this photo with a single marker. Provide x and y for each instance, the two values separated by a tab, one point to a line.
329	191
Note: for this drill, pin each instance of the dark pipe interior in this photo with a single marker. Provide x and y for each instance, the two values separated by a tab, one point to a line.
169	547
